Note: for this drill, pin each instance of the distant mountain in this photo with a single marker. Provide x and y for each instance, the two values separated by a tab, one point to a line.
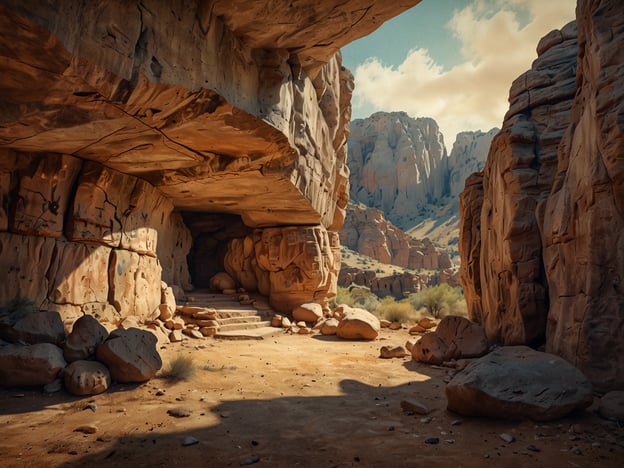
400	166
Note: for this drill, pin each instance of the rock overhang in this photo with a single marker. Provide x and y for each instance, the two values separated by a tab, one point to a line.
220	111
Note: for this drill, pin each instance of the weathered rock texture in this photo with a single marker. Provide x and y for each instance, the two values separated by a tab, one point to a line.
367	231
468	155
516	382
83	238
113	123
291	265
548	262
397	163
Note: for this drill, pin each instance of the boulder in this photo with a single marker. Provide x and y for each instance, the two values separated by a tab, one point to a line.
37	327
388	352
612	406
86	378
358	324
86	335
517	382
130	355
30	365
329	326
222	281
465	339
430	349
308	312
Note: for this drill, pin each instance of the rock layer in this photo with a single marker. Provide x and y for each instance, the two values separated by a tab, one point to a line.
542	247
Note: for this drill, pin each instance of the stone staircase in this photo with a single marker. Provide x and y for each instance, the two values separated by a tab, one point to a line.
247	319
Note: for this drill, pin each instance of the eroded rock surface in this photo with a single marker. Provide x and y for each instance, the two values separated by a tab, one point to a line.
86	378
547	263
30	365
130	355
516	382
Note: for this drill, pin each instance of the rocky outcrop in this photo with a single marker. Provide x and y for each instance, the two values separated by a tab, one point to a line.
551	218
367	231
83	238
290	265
397	163
113	125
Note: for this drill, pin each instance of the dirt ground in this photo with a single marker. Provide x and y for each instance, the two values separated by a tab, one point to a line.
288	401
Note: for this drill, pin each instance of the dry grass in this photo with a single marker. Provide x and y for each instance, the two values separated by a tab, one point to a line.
180	368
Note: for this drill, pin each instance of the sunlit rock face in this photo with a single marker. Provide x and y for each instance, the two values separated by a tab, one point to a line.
368	232
125	113
467	156
542	247
397	163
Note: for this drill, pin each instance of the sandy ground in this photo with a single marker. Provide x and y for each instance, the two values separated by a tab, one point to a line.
288	401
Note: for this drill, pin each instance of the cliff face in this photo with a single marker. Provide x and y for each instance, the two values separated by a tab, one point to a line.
368	232
203	106
397	163
468	155
542	246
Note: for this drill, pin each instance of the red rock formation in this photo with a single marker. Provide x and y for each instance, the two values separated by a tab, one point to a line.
548	262
367	231
116	115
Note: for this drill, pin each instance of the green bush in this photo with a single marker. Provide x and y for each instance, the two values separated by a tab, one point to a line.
180	368
356	296
440	300
396	311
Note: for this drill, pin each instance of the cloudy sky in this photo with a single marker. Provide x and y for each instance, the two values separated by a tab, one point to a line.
453	60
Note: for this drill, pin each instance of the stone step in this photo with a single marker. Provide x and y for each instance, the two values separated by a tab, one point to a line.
227	313
252	334
243	326
242	319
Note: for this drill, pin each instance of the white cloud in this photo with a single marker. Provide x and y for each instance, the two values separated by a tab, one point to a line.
473	94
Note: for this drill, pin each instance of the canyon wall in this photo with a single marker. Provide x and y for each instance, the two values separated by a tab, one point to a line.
543	226
157	109
397	164
367	231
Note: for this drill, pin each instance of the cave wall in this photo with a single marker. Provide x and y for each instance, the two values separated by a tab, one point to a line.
542	236
78	237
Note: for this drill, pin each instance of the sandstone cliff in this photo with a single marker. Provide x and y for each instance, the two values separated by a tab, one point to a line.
118	116
368	232
397	164
542	230
468	155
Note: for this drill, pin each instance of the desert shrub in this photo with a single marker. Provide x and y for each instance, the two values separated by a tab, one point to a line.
395	311
356	296
440	300
15	309
180	368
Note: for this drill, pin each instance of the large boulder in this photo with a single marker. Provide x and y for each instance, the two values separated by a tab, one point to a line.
430	349
517	382
222	281
130	355
30	365
35	327
464	339
86	335
612	406
358	324
86	378
308	312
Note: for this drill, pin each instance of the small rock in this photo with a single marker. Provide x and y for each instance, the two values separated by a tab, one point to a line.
250	460
449	441
388	352
416	330
53	387
189	440
395	326
456	422
612	406
425	420
507	437
414	406
533	448
160	392
91	406
86	429
432	440
179	412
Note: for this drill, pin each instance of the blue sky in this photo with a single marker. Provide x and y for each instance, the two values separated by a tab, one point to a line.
453	60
